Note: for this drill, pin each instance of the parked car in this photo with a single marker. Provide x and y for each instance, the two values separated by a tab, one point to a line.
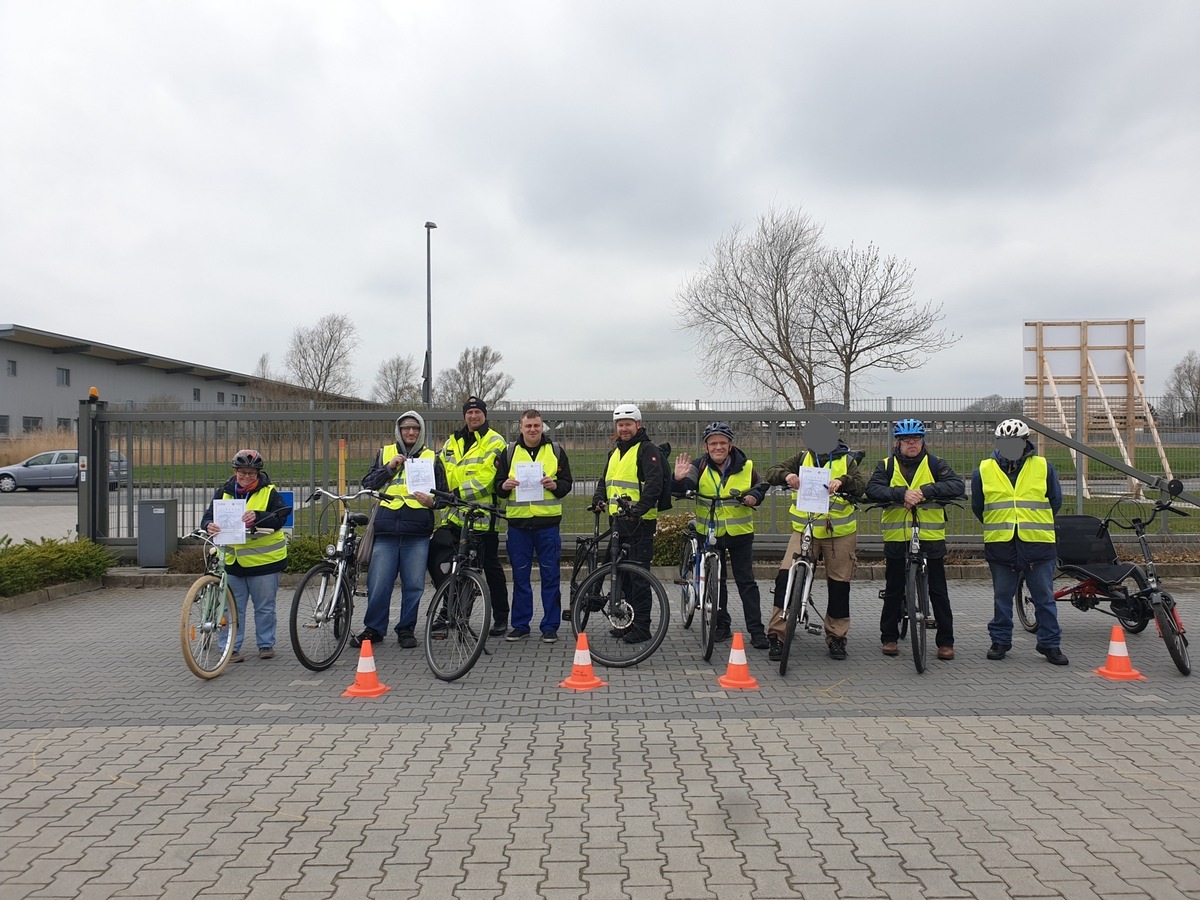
56	468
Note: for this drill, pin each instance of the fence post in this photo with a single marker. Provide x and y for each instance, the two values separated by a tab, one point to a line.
1080	459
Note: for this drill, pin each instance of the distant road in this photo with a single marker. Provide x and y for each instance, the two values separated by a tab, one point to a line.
38	514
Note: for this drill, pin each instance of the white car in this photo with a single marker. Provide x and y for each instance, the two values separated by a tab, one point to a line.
54	468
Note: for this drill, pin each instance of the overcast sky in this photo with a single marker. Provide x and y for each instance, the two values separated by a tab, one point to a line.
196	179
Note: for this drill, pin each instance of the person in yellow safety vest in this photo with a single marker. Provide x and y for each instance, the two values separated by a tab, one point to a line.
403	524
254	566
469	455
723	469
633	470
1016	495
835	535
908	479
533	523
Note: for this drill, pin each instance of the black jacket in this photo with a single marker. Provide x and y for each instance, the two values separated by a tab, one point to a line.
562	477
946	485
649	473
406	519
737	462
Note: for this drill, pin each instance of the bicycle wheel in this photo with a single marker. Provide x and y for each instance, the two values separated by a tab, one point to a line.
1023	603
801	576
208	627
710	604
1170	626
687	585
456	625
319	622
916	597
617	636
1133	613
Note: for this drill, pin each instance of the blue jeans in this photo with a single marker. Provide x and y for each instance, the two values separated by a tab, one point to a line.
393	555
523	543
1039	578
262	589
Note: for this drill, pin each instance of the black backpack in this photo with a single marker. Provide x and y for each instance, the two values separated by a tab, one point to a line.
664	452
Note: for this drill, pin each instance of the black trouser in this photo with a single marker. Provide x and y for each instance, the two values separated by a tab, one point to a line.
738	549
893	601
441	551
639	542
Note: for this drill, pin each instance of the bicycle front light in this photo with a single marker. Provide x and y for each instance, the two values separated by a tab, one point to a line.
330	550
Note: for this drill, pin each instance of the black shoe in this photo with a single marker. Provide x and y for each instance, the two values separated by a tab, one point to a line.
1053	655
549	637
367	634
837	648
774	647
635	635
516	635
407	639
721	633
759	641
498	629
998	651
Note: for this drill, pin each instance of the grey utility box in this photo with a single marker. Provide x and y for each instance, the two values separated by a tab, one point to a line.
157	531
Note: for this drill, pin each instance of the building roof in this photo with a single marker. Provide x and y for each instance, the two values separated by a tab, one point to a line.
61	343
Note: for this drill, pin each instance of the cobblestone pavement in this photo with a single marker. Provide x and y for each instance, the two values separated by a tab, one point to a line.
125	776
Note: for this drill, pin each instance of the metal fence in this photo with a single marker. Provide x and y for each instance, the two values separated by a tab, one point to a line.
185	455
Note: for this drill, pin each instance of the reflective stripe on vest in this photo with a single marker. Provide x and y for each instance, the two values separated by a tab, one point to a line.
262	549
621	480
896	521
549	505
1019	510
733	516
842	518
472	472
395	492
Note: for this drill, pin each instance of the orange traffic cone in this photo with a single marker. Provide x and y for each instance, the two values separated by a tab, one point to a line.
583	678
737	673
1118	667
366	682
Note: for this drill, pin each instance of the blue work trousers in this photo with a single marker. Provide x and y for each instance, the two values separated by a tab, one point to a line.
1039	580
546	544
393	555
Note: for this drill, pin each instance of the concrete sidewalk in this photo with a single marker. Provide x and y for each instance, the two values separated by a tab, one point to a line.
125	776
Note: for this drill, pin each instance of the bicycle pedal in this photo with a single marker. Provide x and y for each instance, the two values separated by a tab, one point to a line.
814	629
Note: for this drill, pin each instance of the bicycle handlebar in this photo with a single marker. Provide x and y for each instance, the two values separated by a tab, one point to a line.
343	498
452	499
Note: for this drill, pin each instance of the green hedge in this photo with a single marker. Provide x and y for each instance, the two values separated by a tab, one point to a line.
304	551
31	566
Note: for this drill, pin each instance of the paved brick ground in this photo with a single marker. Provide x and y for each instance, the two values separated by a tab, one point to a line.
125	776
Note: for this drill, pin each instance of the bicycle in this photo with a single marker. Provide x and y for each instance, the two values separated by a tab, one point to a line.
208	627
209	622
700	571
460	614
798	609
323	605
605	602
916	612
1087	558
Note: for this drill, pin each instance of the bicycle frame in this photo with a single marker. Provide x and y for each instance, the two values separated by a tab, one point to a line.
808	615
342	553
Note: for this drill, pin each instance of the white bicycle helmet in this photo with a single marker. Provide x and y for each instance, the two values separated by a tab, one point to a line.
1012	428
627	411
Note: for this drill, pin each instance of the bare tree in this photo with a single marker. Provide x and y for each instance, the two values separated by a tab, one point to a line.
320	359
475	375
1182	400
397	382
868	318
1010	406
750	307
262	371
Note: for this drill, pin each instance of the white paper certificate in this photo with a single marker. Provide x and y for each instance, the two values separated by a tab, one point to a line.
228	516
418	475
529	482
813	494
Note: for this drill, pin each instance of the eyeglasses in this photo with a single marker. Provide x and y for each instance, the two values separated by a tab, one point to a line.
911	440
246	473
410	427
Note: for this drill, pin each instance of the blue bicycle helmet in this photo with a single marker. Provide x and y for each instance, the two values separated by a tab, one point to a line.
908	428
718	428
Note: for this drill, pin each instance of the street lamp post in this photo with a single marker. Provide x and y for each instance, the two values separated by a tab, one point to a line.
427	385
